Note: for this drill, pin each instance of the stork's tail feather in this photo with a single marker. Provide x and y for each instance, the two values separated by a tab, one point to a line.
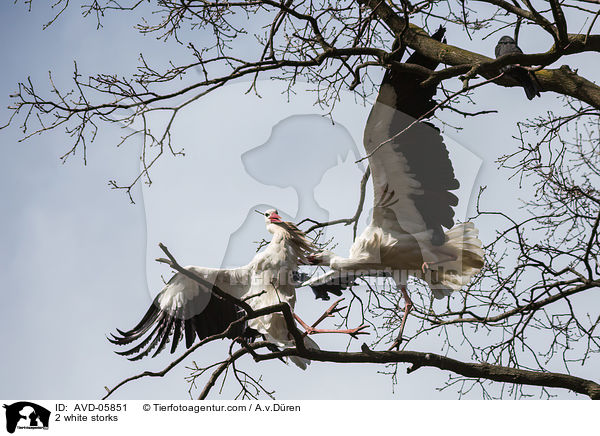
453	275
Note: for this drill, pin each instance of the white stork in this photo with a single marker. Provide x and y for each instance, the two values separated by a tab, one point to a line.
412	176
187	308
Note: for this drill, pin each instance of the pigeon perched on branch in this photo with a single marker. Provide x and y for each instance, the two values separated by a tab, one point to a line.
507	45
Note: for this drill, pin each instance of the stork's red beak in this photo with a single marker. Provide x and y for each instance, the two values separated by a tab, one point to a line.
274	218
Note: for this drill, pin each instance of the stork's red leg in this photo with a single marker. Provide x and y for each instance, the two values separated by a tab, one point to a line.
408	304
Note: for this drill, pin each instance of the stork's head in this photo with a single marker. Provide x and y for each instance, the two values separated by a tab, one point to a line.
320	258
271	217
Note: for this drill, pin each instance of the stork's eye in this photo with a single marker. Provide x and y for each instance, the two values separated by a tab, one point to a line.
267	214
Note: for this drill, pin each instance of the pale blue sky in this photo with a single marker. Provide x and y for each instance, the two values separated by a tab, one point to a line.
77	257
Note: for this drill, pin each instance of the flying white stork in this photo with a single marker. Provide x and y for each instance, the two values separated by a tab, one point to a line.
412	176
187	308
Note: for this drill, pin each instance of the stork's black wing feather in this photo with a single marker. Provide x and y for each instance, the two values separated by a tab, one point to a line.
340	282
412	174
423	148
170	324
335	286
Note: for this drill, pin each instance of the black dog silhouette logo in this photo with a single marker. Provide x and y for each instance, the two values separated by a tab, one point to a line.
26	415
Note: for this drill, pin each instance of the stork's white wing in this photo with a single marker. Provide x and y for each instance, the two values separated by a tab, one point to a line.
411	171
187	308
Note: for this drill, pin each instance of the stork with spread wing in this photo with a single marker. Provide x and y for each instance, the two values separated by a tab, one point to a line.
187	308
412	179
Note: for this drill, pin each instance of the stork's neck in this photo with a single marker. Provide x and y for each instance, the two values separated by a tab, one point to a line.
276	230
286	240
278	250
280	236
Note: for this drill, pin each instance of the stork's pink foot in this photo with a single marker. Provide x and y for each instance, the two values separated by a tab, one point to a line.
333	309
352	332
